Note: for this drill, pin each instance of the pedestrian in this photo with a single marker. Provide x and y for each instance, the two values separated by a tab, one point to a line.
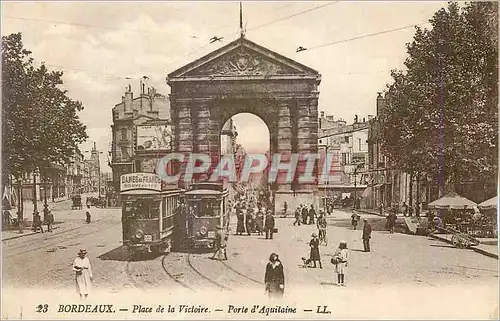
285	209
405	209
274	278
46	211
297	216
83	272
314	254
269	225
7	218
259	222
312	215
249	222
340	260
220	243
88	215
321	224
50	221
391	221
367	232
305	213
381	209
354	219
37	222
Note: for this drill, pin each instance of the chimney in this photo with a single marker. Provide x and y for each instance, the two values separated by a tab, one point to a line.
380	104
128	98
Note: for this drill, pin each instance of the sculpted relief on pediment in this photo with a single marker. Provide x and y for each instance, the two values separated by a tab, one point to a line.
243	62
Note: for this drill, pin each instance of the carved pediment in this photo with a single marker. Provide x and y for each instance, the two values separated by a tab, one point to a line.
243	61
242	58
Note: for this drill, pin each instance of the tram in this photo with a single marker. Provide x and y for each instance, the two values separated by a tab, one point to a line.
149	214
206	208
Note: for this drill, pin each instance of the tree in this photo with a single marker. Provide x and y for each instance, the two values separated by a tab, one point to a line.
441	114
40	125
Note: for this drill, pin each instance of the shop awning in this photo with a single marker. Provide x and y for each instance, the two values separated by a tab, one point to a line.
489	204
452	201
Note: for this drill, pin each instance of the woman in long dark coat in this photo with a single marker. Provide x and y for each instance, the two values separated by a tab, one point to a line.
274	278
314	255
240	226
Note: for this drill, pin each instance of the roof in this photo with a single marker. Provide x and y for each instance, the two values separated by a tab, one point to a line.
452	201
345	131
206	192
490	203
140	192
246	52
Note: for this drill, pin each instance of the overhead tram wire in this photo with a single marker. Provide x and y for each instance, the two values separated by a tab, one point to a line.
291	16
366	36
259	26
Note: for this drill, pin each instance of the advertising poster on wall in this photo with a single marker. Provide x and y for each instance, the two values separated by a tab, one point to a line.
154	137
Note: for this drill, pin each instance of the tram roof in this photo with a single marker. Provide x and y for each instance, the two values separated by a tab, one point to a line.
140	192
208	192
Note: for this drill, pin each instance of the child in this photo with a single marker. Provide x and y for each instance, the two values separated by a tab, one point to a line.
340	261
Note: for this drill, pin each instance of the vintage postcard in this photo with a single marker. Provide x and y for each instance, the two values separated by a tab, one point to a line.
249	160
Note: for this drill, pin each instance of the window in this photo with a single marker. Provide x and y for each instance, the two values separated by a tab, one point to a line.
359	143
124	133
142	208
346	139
125	155
204	208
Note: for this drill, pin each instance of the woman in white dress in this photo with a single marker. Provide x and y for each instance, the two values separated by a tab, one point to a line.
340	261
83	272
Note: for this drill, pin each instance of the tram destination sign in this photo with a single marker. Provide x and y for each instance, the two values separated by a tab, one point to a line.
135	181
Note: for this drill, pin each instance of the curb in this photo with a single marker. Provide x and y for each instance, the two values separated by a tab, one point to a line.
22	235
475	249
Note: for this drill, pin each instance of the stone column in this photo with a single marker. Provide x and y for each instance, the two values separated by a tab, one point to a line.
183	133
203	122
307	142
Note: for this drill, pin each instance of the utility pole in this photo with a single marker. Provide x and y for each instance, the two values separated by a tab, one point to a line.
34	195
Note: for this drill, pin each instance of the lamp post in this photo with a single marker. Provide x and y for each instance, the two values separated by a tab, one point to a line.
326	147
357	166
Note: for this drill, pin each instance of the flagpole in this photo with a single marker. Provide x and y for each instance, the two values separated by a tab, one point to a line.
242	33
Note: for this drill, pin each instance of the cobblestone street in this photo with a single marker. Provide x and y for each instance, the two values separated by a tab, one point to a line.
43	261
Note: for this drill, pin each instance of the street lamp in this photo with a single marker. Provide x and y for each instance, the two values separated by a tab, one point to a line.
327	169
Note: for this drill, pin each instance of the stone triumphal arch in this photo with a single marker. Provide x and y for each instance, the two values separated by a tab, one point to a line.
243	76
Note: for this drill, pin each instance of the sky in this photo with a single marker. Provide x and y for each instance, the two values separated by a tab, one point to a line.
103	46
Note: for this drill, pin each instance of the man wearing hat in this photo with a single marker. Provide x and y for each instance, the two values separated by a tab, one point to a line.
367	231
220	243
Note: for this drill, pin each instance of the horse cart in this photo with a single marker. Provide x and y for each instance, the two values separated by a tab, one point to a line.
458	239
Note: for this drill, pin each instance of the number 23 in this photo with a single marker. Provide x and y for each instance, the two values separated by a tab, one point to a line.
42	308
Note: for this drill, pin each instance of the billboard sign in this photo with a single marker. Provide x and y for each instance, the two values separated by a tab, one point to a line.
154	137
134	181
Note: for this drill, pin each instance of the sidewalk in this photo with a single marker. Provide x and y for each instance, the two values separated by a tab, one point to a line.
14	234
485	248
488	247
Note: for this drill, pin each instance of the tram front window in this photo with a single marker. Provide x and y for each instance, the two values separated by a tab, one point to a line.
142	209
204	208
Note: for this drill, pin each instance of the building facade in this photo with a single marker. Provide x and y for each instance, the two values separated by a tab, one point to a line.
141	133
348	144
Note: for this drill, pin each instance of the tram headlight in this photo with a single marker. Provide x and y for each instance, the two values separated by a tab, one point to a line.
203	231
139	234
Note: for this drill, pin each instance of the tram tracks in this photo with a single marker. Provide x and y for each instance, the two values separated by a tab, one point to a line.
58	242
